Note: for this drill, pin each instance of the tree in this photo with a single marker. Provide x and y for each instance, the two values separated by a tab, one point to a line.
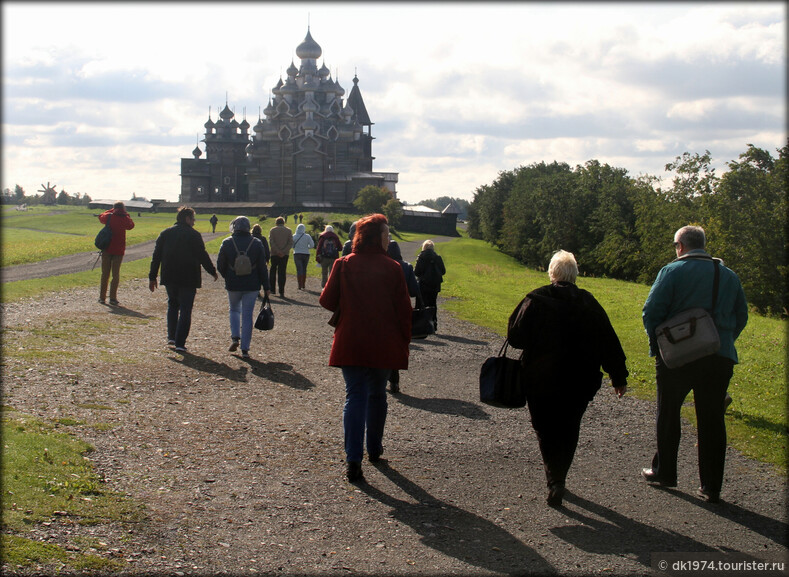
19	193
63	198
371	199
393	210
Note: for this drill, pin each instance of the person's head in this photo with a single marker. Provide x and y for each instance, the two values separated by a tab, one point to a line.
280	221
301	229
240	224
371	232
563	267
394	250
257	230
119	207
428	245
329	228
689	238
185	215
352	230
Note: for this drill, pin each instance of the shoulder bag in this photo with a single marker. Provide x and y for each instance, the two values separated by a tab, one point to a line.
265	320
691	334
501	381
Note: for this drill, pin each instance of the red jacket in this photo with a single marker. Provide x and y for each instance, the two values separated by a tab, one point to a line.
119	223
374	329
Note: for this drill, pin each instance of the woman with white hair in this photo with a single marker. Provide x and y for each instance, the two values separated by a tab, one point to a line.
327	251
566	337
242	284
429	270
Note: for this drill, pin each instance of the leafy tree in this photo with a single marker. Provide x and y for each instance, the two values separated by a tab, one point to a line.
371	199
19	192
63	198
393	210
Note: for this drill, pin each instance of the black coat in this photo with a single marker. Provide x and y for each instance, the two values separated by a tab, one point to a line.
566	337
180	251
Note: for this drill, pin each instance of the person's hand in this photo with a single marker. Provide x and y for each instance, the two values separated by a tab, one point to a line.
620	391
216	276
152	285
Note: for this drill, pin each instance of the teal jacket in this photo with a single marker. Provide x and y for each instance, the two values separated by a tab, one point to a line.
686	283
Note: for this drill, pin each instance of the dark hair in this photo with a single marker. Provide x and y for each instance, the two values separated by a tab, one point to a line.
183	213
257	230
280	220
368	232
119	206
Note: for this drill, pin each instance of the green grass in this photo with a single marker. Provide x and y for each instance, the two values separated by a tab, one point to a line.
47	476
484	286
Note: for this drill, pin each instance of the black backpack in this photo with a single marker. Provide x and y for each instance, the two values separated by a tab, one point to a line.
104	237
329	249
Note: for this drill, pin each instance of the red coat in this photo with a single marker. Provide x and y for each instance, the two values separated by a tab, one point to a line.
119	223
375	311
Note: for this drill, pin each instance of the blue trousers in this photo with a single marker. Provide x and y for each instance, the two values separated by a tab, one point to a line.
365	408
180	300
242	315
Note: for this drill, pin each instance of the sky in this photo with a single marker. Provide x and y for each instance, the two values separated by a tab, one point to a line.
105	98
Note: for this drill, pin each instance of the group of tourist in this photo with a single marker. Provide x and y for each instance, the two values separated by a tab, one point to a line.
565	334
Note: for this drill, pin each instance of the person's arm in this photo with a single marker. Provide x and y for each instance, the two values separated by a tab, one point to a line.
204	257
517	325
656	307
156	260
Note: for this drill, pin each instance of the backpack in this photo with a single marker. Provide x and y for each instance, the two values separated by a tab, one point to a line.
329	249
104	237
242	266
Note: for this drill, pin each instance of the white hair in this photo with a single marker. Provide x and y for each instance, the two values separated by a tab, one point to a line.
563	267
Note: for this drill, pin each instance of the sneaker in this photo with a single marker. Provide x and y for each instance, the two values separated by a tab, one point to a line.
375	457
170	342
709	496
102	301
354	472
114	302
180	349
244	354
234	346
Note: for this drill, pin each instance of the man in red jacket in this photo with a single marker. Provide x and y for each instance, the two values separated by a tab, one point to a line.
112	256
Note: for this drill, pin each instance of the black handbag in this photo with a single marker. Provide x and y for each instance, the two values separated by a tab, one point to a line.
422	322
501	381
265	320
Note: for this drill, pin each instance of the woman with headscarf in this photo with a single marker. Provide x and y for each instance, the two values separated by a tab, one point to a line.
302	243
242	286
566	336
371	336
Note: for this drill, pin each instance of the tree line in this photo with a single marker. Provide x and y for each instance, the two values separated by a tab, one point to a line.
622	227
48	197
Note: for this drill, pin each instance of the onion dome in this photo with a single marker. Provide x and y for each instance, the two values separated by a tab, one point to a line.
226	113
233	124
309	124
197	153
292	70
309	48
209	125
244	125
323	72
310	105
269	110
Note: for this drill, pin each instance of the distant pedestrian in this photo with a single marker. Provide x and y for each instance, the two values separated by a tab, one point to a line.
280	240
242	287
112	256
302	243
685	283
371	336
295	218
301	217
430	271
566	337
180	251
257	232
327	251
347	248
213	220
413	291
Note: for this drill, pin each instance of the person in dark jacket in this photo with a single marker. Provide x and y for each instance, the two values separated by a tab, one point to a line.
347	248
566	337
429	270
327	251
213	220
112	256
242	289
371	336
180	251
413	290
257	232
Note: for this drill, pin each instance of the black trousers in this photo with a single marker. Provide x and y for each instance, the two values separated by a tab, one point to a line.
557	422
429	298
279	265
708	378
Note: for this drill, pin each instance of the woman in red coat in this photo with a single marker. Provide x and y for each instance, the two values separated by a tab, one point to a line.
371	337
112	256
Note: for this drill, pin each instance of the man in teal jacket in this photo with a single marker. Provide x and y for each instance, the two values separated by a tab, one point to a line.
686	283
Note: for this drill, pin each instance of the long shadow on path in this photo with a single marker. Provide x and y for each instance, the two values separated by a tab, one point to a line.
457	533
443	406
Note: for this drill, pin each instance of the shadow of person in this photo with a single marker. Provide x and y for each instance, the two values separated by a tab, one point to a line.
455	532
282	373
206	365
123	311
769	527
610	533
444	406
457	339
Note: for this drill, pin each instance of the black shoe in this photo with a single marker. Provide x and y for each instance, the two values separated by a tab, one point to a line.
375	457
651	477
709	496
234	344
354	472
394	388
555	495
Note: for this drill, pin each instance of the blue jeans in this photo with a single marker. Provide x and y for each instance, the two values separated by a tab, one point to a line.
365	406
301	261
242	312
180	300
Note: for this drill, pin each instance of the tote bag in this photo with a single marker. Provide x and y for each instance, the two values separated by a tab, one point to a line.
501	381
265	320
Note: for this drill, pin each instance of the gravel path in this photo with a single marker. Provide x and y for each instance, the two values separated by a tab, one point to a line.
240	462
